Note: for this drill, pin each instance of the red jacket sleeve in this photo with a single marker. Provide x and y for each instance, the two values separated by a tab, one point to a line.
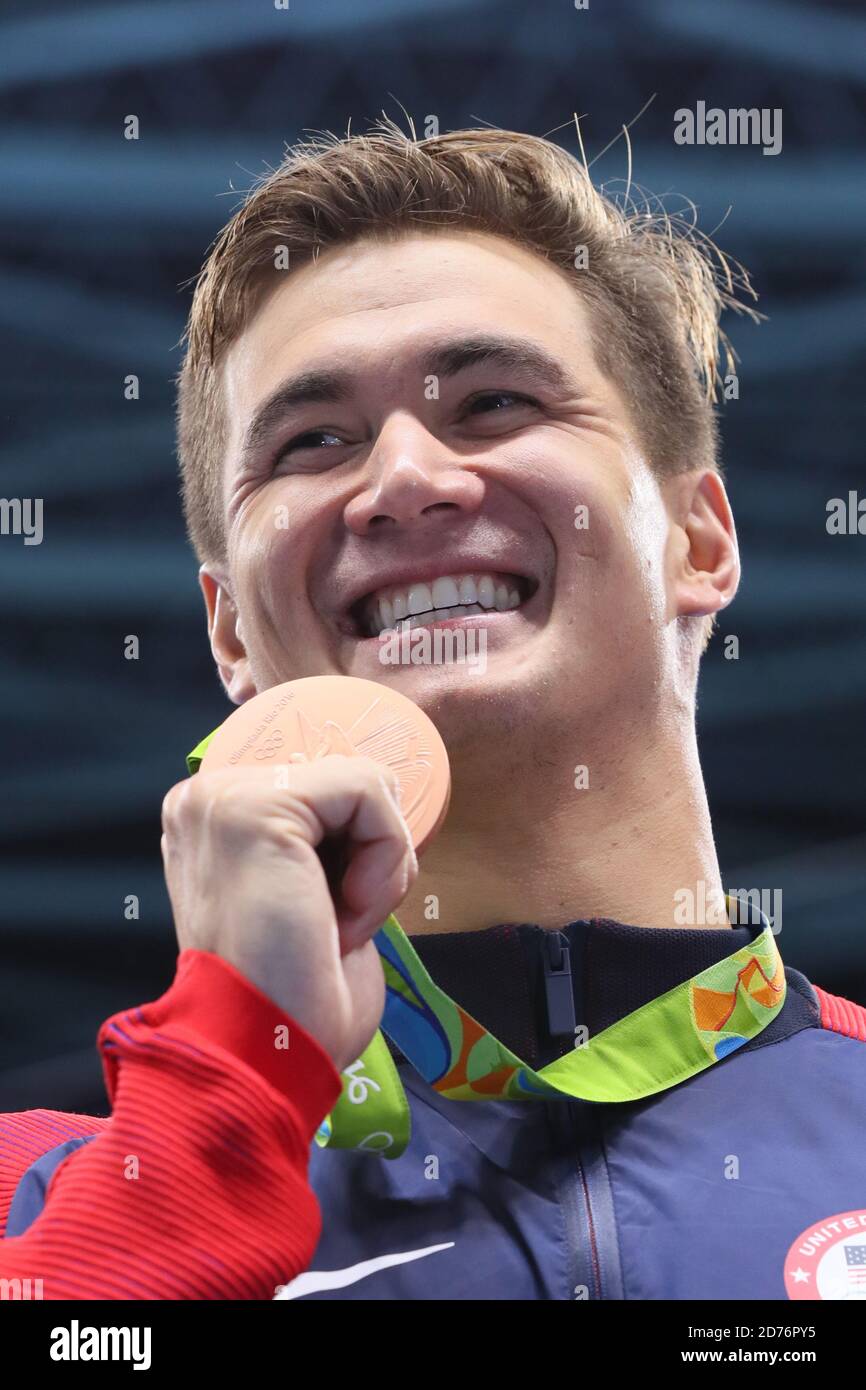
197	1186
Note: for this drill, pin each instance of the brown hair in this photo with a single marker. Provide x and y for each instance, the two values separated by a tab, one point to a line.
655	285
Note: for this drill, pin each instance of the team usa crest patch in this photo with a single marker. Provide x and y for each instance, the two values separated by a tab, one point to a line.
828	1259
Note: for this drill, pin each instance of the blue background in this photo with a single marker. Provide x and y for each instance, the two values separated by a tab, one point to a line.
99	234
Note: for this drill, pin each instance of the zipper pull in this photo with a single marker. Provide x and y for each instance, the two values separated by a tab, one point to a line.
558	987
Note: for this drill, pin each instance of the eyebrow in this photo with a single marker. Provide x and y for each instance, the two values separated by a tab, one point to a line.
325	385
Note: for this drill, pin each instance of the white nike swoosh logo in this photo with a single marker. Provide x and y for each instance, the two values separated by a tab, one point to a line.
319	1279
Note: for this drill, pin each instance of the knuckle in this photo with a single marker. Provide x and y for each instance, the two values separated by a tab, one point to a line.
228	803
172	804
214	798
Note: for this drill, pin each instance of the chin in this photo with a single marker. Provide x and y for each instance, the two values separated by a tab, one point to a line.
468	708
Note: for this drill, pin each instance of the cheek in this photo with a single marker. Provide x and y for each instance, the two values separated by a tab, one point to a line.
269	561
611	559
576	484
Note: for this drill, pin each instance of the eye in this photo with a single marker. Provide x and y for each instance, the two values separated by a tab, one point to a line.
493	402
313	439
306	453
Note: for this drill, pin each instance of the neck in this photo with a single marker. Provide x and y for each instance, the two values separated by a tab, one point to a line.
518	846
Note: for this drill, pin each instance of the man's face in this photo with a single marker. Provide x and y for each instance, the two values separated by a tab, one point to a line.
448	427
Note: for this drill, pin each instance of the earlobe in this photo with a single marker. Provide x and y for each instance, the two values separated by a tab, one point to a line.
708	561
226	636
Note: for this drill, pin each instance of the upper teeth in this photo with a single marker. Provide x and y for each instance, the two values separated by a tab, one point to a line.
439	599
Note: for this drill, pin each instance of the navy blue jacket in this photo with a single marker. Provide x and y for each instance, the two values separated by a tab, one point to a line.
746	1182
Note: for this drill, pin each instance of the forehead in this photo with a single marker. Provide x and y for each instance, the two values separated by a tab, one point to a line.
373	303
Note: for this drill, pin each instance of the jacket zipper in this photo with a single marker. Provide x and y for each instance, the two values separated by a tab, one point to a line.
593	1243
584	1274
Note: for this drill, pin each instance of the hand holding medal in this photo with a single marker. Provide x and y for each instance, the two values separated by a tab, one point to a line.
296	780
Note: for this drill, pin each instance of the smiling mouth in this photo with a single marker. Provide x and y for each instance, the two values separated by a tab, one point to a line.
448	598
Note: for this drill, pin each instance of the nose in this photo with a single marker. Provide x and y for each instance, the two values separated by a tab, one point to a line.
411	476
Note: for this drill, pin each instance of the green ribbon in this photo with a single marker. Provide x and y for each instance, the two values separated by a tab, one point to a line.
664	1042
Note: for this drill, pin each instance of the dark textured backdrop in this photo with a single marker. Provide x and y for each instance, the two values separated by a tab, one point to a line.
98	235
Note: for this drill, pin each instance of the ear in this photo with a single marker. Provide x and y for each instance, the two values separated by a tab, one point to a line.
703	555
226	637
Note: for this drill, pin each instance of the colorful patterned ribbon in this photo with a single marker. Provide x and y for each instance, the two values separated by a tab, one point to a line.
657	1046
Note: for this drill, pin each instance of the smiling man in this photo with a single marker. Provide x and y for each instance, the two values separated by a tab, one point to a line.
385	458
446	386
